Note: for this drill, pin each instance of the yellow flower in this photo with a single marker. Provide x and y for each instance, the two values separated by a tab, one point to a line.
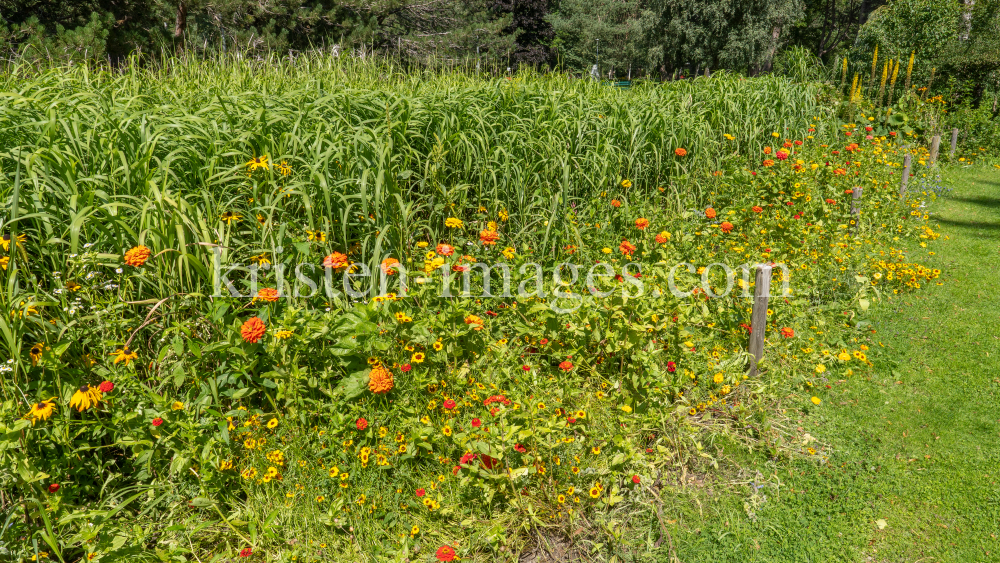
606	250
438	346
717	377
36	353
177	406
85	397
229	217
820	368
626	183
283	334
417	358
508	253
843	356
41	411
595	492
284	168
4	262
124	354
318	236
816	400
446	430
272	423
453	223
258	162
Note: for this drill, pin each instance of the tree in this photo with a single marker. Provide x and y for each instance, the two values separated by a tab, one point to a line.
531	31
734	34
615	30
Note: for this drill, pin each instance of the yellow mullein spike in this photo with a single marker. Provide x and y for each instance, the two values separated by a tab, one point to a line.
909	70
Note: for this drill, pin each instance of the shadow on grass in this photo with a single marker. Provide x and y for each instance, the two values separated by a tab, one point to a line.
992	229
991	202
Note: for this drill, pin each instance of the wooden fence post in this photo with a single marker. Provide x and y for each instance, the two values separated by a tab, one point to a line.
935	145
954	141
856	206
758	318
906	176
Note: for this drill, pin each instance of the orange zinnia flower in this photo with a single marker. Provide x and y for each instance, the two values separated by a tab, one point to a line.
336	261
768	163
767	150
840	172
680	152
663	237
380	381
710	213
641	223
268	294
137	256
474	321
252	330
726	226
626	248
758	209
488	237
445	249
787	332
616	203
389	266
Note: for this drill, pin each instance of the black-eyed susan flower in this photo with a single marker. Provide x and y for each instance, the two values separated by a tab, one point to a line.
4	262
124	354
417	358
5	241
41	411
84	398
318	236
283	168
258	162
36	353
229	217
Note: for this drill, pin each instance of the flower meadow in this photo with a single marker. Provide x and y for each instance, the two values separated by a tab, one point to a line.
149	413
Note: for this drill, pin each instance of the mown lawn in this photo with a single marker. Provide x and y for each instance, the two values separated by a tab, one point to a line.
914	454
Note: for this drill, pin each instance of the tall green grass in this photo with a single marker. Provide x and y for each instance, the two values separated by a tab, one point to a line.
381	156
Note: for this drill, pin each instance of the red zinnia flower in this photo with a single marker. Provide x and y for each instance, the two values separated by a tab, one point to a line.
520	448
361	424
476	423
106	387
526	368
252	330
406	368
758	209
420	492
157	421
445	553
671	367
53	487
246	552
566	365
830	201
636	479
544	341
449	404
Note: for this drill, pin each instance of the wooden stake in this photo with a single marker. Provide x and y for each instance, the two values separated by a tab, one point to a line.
906	176
954	142
758	318
935	145
855	204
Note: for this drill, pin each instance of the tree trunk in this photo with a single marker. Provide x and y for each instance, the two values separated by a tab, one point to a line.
775	34
967	18
180	23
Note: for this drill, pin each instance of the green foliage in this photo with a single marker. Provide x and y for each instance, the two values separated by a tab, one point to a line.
235	422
